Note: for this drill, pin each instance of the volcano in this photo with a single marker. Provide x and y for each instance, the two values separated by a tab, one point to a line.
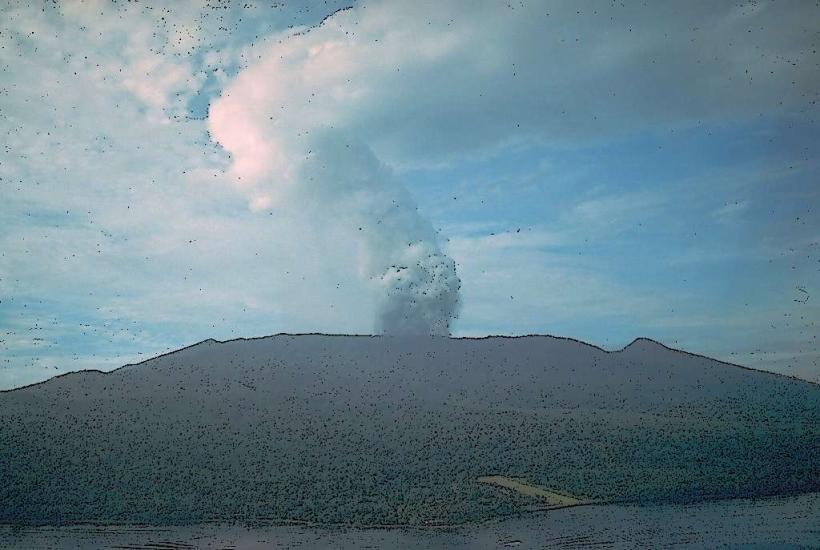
380	430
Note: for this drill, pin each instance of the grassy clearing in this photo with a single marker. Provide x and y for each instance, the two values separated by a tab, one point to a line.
552	499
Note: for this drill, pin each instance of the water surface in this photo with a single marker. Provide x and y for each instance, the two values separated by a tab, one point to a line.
781	522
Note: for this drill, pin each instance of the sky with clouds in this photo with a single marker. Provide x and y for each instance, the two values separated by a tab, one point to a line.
600	171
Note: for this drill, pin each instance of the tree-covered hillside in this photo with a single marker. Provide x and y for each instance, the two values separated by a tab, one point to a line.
379	430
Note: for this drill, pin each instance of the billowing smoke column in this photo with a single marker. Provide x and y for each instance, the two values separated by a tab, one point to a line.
342	180
335	180
292	122
421	295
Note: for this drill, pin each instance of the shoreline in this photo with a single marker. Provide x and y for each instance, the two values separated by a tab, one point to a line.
265	523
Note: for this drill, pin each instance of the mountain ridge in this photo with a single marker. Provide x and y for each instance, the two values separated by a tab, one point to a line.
636	341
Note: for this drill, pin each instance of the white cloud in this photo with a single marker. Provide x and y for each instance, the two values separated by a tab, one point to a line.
421	83
114	214
609	214
730	211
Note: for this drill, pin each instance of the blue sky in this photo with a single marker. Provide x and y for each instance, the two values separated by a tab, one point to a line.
601	173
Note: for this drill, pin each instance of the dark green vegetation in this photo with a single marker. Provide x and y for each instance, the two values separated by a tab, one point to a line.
376	430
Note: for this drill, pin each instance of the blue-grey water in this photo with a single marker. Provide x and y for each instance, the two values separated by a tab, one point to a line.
781	522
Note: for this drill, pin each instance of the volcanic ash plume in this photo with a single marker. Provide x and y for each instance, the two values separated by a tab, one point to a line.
344	183
275	120
421	294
